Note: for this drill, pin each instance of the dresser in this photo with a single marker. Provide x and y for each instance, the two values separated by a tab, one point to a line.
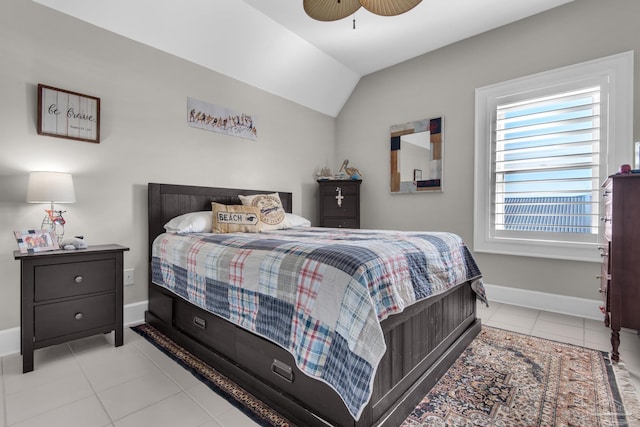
339	203
66	295
620	278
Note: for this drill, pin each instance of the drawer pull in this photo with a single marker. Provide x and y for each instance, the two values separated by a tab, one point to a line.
200	323
282	370
78	279
78	316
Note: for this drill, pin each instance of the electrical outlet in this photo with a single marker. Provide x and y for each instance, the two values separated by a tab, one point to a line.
128	277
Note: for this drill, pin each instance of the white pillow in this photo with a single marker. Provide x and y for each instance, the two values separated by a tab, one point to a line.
297	221
193	222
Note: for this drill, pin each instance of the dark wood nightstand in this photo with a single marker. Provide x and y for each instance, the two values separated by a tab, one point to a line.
339	203
68	295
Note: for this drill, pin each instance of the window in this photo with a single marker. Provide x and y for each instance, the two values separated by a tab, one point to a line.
544	145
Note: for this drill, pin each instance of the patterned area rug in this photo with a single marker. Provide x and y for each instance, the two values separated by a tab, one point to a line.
509	379
501	379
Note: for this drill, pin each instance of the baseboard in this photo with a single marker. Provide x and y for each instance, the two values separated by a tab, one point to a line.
134	313
572	306
10	338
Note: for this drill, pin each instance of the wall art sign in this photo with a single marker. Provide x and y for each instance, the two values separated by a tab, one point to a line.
66	114
215	118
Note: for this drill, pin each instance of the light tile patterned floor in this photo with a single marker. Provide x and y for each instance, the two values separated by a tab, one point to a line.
91	383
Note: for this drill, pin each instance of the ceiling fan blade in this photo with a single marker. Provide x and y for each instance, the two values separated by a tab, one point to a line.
330	10
389	7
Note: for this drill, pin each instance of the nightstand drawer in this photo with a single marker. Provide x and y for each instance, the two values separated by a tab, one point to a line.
63	318
347	188
76	278
331	208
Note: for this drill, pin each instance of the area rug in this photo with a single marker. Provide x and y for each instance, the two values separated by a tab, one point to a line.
501	379
509	379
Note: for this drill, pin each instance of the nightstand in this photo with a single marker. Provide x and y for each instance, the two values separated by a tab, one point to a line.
339	202
66	295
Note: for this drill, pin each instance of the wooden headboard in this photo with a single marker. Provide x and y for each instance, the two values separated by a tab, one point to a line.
167	201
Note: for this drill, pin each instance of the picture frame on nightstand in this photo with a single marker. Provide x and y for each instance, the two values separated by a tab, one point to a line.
32	241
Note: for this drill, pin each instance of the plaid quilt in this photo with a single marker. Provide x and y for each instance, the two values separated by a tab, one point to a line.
319	293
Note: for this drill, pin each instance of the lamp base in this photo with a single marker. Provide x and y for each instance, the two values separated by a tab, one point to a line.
55	222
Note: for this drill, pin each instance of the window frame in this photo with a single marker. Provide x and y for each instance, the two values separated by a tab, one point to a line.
616	144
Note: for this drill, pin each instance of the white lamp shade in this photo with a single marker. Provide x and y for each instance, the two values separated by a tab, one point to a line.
49	187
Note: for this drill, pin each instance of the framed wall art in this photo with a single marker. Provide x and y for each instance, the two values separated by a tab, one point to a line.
66	114
216	118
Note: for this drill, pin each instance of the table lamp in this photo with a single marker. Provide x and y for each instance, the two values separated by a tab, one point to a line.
51	187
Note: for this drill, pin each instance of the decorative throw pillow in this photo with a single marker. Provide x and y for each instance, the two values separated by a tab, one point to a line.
272	214
192	222
235	218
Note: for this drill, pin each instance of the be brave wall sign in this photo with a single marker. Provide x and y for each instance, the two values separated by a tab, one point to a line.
66	114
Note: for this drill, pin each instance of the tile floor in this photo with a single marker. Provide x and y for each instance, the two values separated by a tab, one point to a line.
91	383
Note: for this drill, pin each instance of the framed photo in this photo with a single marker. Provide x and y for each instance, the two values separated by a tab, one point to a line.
417	175
636	154
66	114
31	241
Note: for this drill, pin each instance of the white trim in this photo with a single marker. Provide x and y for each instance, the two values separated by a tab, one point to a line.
9	341
618	128
10	338
572	306
134	313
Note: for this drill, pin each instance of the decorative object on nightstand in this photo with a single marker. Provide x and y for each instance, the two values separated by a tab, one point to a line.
67	295
350	172
51	187
339	203
31	241
324	174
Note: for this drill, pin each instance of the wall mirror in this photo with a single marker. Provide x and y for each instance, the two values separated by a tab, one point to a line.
416	156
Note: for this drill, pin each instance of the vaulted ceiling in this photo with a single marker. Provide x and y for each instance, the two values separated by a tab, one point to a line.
275	46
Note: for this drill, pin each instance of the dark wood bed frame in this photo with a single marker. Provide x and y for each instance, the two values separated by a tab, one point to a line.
422	341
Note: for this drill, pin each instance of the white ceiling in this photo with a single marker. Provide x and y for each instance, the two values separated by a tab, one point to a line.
275	46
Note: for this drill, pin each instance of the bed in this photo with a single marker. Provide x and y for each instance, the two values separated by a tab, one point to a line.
419	343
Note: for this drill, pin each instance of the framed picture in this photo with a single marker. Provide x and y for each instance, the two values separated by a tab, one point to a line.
636	152
216	118
417	175
31	241
66	114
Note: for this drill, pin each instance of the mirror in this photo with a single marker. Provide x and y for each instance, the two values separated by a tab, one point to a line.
416	156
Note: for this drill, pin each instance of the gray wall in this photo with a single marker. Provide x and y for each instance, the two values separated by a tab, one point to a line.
145	136
443	83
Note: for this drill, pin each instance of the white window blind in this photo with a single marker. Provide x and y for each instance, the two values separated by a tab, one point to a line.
546	168
544	144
